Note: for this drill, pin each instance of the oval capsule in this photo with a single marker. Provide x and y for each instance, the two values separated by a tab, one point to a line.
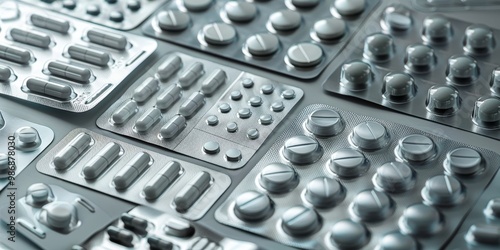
131	171
191	74
57	90
124	112
5	73
73	150
50	23
14	54
69	72
34	38
214	81
173	127
168	97
107	39
88	55
169	67
121	236
162	180
101	161
192	192
145	89
147	120
192	105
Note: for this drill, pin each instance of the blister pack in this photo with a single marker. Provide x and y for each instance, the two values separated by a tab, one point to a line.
64	63
339	180
293	37
131	173
205	110
23	142
117	14
147	228
54	218
446	5
428	66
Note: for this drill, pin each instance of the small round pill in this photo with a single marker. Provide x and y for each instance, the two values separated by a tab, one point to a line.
462	69
27	139
93	9
288	94
212	120
330	28
219	33
247	83
300	221
305	54
277	106
173	20
417	148
244	113
267	89
116	16
372	205
324	192
443	190
236	95
240	11
232	127
463	161
253	133
253	206
211	147
278	178
224	107
69	4
285	20
304	3
370	135
399	87
133	5
437	29
443	100
197	5
59	214
397	241
263	44
325	123
233	155
302	150
378	47
349	7
39	194
486	112
397	18
266	119
420	58
479	39
355	75
348	163
421	220
348	234
394	177
255	101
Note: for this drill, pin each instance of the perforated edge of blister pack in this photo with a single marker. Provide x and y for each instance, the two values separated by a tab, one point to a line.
131	187
272	226
67	94
196	131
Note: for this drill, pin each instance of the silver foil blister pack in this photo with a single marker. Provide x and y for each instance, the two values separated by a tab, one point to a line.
117	14
339	180
429	66
53	218
64	63
198	108
296	38
147	228
131	173
24	141
440	5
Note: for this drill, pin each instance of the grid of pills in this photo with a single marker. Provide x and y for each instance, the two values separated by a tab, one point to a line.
184	103
338	180
60	62
296	38
428	66
54	218
134	174
147	228
24	139
117	14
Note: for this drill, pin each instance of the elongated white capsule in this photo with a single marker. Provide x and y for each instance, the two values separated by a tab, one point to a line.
101	161
107	39
191	74
173	127
73	150
69	71
147	120
214	81
124	112
192	192
161	181
168	97
131	171
145	89
14	54
88	55
192	104
50	23
169	67
31	37
57	90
